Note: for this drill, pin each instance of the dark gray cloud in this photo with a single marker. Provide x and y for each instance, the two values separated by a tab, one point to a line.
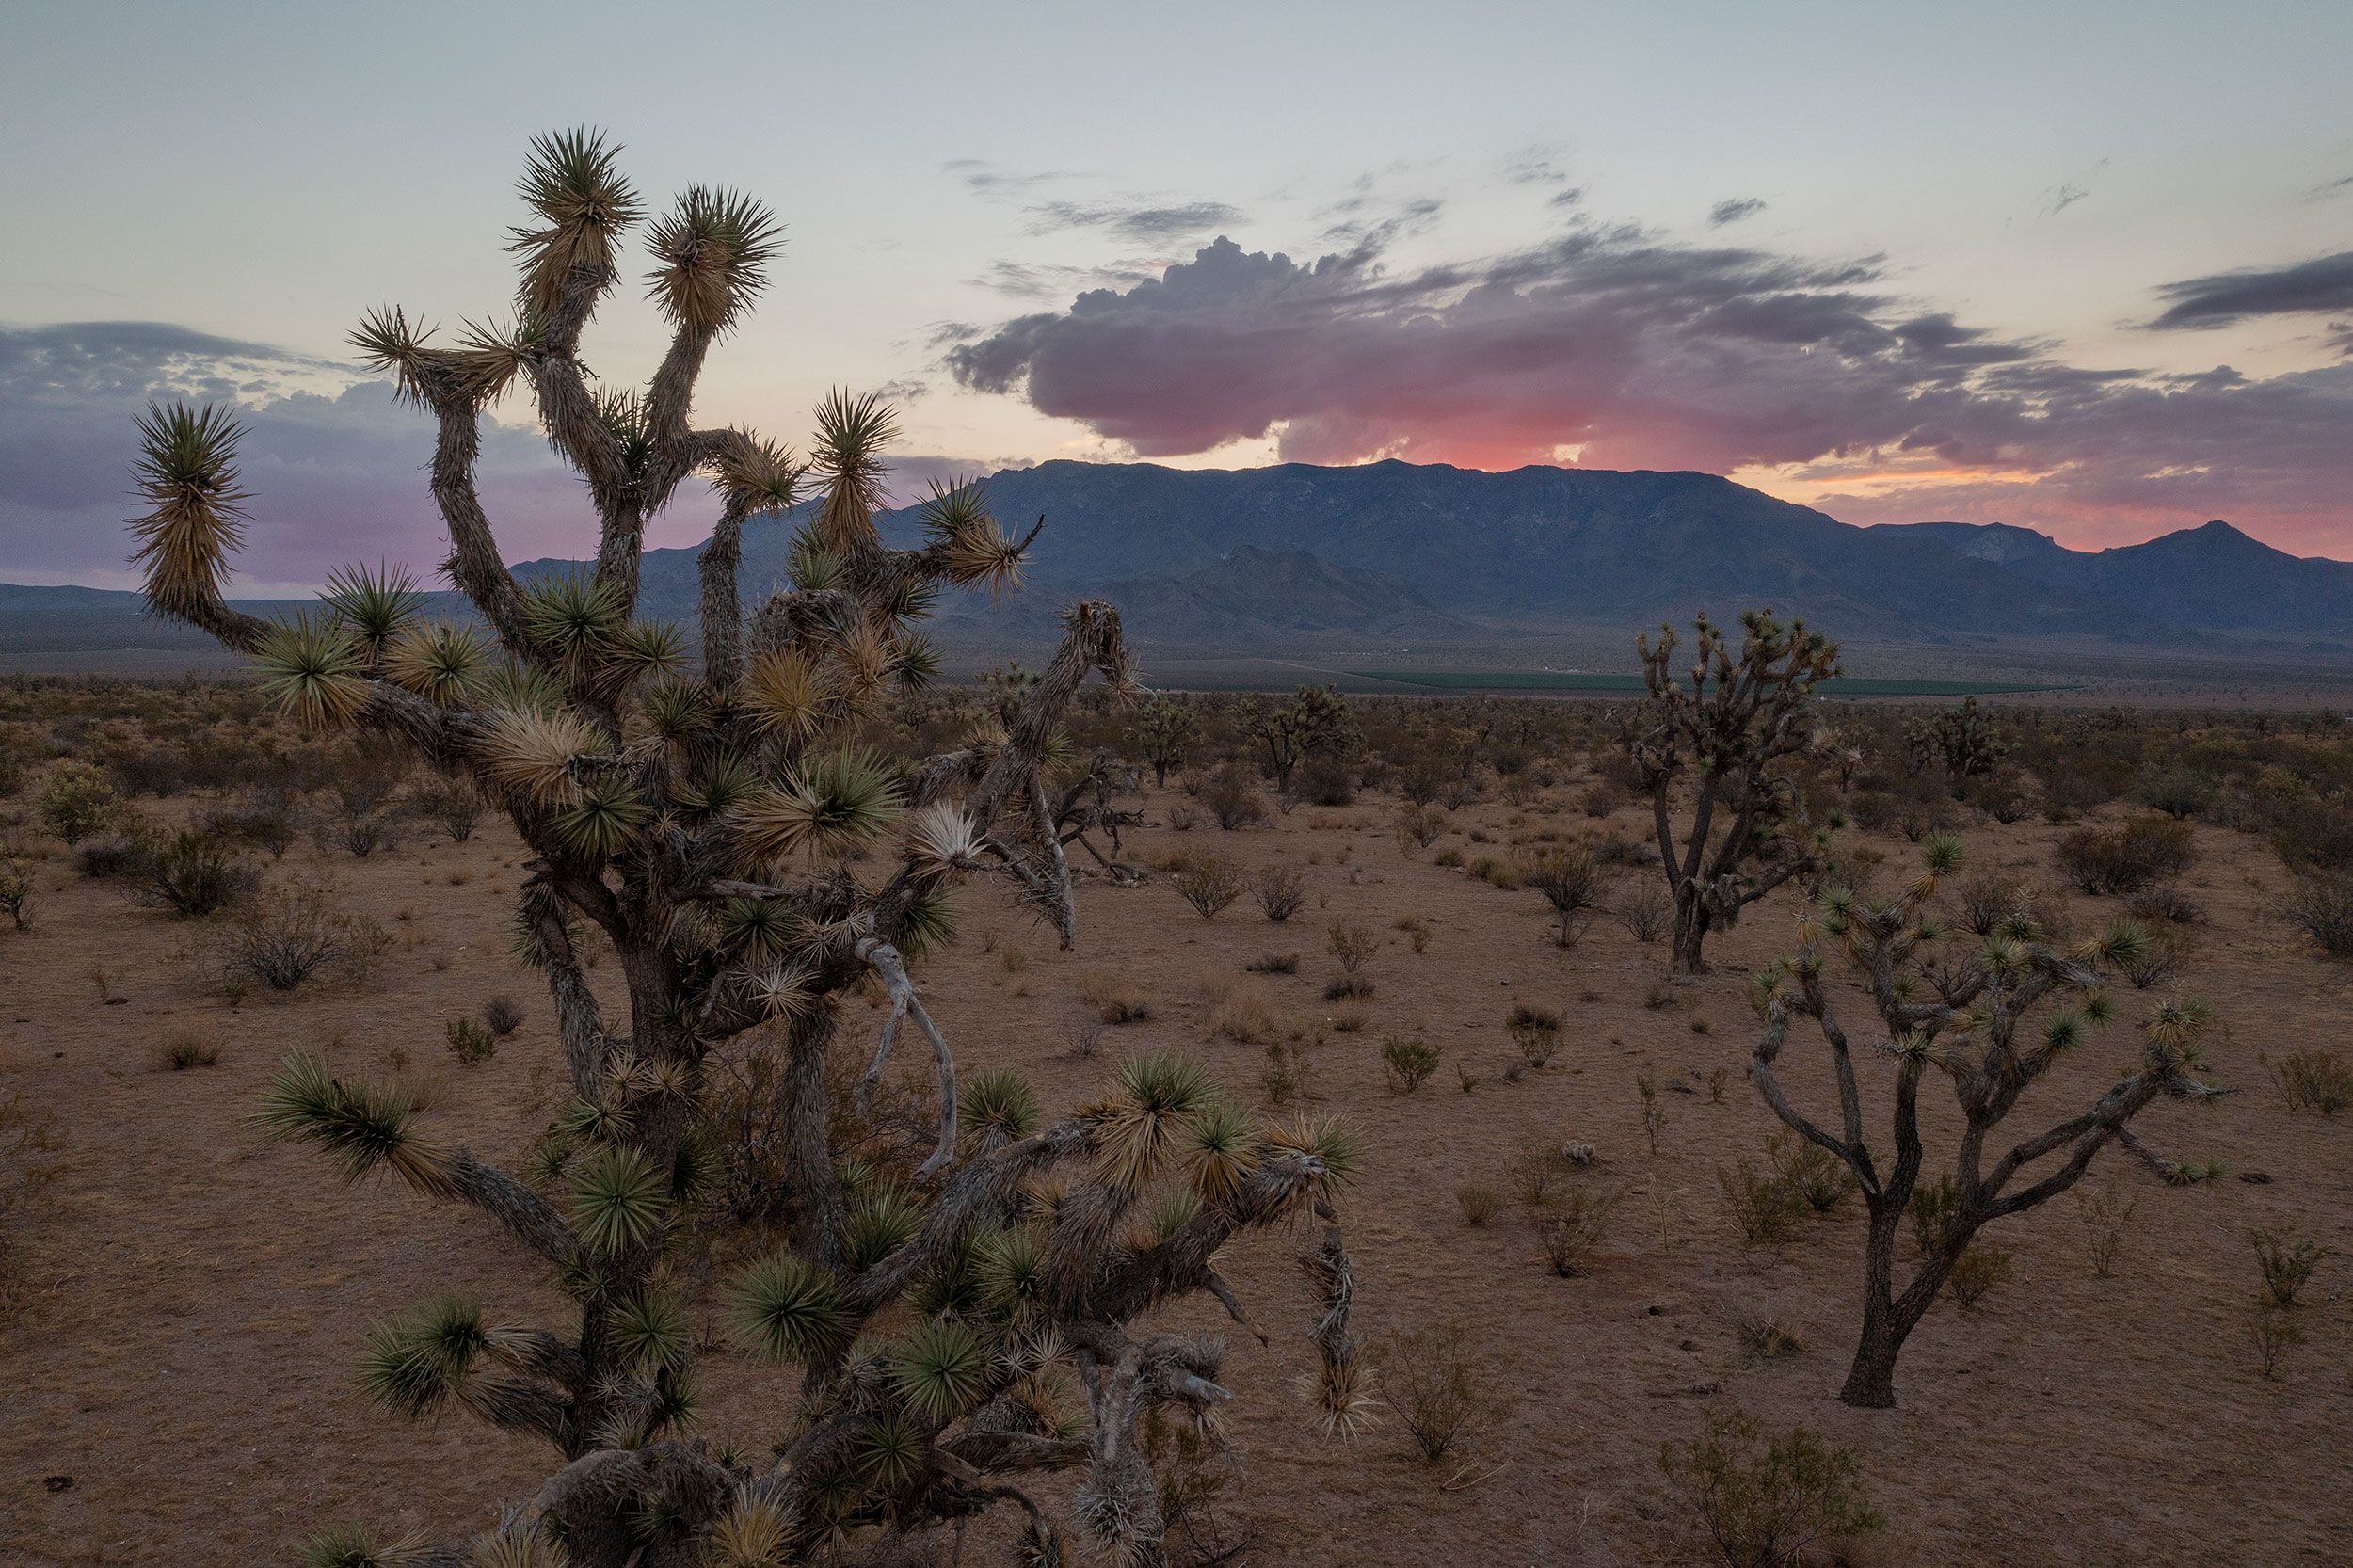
1573	196
2321	285
2327	189
985	178
1734	209
1140	221
336	467
1623	349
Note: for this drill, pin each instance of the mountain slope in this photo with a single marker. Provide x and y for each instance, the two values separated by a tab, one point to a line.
1269	559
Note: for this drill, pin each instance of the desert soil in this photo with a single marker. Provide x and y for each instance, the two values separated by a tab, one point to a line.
179	1365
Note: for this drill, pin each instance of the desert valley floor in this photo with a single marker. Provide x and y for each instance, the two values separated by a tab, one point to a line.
180	1365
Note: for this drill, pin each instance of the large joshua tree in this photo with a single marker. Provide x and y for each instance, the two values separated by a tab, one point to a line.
1993	1021
1722	728
750	868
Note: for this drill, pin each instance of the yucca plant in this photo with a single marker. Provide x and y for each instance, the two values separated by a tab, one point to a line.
1994	1019
751	865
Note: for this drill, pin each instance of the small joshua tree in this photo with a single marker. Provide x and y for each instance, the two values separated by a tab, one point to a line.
751	869
1993	1021
1961	740
1164	731
1726	725
1313	721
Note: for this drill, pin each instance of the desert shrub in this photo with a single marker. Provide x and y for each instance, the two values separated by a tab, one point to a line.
192	875
470	1042
1249	1017
1766	1339
2179	793
1348	987
1182	818
1768	1509
2151	960
2108	1215
2276	1332
1817	1177
1116	998
1980	1267
1765	1210
1326	781
1419	826
1536	1030
1479	1203
2284	1264
2321	905
502	1016
115	857
1285	1075
1351	946
1273	963
1409	1060
1988	901
1232	800
1604	796
2126	860
184	1049
1209	883
1428	1381
16	894
452	805
1534	1168
1934	1207
264	818
2314	1080
1654	1108
291	935
1574	1229
1569	878
1645	910
363	814
1282	892
2165	904
75	801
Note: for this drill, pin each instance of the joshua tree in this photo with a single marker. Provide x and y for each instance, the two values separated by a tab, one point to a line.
750	870
1734	718
1165	730
1993	1021
1313	721
1961	740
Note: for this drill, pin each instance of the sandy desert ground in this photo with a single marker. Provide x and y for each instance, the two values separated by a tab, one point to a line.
179	1365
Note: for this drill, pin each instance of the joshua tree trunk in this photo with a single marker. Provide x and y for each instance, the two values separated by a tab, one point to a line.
1690	930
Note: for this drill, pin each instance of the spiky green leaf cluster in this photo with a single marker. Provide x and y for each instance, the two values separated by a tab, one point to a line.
789	1310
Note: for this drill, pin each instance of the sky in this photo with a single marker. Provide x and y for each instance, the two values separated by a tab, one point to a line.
2085	267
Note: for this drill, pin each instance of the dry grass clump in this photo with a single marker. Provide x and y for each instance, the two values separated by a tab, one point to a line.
2314	1080
1574	1229
1249	1017
184	1049
1116	998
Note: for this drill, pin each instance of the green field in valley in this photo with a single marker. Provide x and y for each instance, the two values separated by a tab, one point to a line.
1558	681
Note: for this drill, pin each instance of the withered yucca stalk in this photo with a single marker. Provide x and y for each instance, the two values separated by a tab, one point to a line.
750	867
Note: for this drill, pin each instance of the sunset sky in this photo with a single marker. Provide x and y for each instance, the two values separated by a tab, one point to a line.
2086	268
